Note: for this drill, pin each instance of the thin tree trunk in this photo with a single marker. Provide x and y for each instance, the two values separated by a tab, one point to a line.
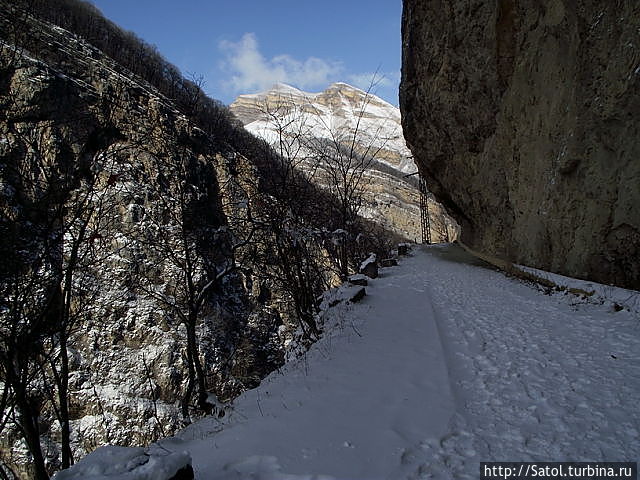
186	399
31	432
196	371
192	345
63	400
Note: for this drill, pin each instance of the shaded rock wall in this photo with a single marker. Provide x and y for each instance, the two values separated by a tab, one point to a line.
85	142
524	118
128	368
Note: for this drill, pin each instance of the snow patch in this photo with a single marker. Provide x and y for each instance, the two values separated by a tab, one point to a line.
124	463
370	259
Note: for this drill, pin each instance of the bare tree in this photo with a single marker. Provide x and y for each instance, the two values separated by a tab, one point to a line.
191	250
292	217
58	212
335	156
90	219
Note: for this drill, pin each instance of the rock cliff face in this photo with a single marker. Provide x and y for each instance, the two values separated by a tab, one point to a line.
286	116
524	117
99	167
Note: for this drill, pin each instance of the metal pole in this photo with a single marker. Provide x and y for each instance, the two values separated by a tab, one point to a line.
424	212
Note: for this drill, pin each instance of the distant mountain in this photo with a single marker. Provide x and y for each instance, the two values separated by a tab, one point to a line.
346	114
339	107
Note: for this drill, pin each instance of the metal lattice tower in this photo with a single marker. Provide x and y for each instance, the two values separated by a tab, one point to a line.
424	212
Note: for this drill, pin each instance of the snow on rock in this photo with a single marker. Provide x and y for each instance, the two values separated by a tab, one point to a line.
370	259
124	463
388	262
370	266
341	107
617	298
359	279
344	293
404	248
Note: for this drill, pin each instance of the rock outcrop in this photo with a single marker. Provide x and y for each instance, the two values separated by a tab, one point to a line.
127	155
103	176
524	118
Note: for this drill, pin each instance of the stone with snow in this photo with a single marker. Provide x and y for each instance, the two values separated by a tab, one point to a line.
370	266
358	279
123	463
358	295
388	262
342	294
403	249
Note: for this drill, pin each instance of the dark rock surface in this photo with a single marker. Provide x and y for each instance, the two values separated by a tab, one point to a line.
524	119
370	267
388	262
358	295
185	473
358	279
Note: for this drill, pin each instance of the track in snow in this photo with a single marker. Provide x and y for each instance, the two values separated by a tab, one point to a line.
445	364
535	377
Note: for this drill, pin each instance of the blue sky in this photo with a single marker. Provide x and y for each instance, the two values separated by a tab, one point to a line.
244	46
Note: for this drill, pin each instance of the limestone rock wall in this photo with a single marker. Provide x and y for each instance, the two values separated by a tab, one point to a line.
84	143
524	117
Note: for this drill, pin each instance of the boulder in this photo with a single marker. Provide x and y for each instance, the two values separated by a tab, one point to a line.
388	262
358	295
370	266
358	279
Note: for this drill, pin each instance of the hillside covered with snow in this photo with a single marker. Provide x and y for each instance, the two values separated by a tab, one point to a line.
338	109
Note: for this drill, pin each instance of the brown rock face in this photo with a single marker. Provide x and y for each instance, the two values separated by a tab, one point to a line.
524	117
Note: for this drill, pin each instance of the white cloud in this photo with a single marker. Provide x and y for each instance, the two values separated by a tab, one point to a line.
250	71
374	80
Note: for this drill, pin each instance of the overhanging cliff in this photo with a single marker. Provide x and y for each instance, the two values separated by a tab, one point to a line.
524	120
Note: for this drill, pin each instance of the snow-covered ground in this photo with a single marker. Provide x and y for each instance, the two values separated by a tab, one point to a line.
445	363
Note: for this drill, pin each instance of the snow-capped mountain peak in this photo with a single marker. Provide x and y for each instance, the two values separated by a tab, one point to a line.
339	109
305	124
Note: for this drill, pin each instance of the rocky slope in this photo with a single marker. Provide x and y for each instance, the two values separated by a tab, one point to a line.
339	107
111	132
121	222
524	118
290	120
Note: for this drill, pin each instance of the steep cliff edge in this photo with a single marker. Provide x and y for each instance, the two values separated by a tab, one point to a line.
524	119
110	200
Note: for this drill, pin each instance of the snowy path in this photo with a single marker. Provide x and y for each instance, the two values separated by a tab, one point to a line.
535	377
443	365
